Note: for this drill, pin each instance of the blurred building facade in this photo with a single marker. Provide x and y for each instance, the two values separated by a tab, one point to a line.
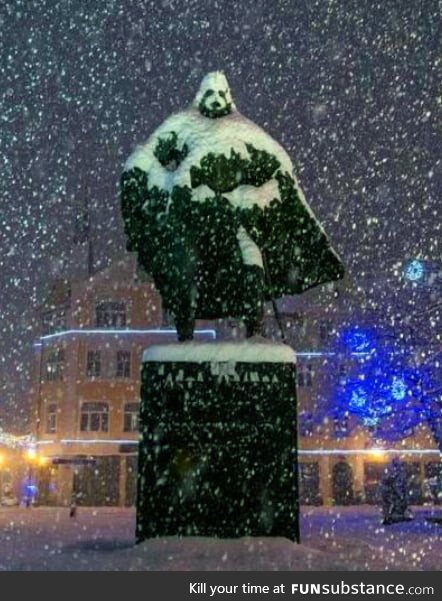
14	469
85	389
343	460
85	384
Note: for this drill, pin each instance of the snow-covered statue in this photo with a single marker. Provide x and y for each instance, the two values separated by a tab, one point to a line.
212	208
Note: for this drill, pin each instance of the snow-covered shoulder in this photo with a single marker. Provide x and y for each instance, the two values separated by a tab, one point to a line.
201	136
253	350
196	130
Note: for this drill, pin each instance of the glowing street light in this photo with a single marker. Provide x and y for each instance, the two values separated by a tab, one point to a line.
377	454
31	489
42	461
31	453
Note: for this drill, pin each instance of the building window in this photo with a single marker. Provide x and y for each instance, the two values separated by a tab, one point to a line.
123	364
305	374
342	374
341	426
306	423
93	364
94	417
309	484
54	321
325	330
432	484
131	417
55	365
110	314
51	418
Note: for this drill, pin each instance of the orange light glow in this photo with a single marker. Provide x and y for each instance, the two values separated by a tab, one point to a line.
377	454
31	453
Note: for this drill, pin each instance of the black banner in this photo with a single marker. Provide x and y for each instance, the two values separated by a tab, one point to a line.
225	586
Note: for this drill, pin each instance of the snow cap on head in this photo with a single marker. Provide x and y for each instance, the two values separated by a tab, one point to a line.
214	98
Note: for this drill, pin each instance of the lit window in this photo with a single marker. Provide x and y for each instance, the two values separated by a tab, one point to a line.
55	365
93	364
51	418
94	417
110	314
54	321
131	417
123	364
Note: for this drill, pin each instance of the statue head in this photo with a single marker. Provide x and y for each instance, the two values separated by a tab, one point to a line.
214	98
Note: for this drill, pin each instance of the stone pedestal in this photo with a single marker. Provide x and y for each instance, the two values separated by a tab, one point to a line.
217	454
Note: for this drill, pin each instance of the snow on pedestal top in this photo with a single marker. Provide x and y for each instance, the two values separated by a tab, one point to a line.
253	350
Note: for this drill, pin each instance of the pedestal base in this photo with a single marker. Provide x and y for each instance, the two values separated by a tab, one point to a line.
217	453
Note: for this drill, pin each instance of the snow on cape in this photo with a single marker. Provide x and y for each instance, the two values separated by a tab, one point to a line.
254	350
202	135
196	135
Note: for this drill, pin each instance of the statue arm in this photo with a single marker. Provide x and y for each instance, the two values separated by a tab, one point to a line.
163	146
133	195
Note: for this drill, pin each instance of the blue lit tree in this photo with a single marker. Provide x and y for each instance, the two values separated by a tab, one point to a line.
387	391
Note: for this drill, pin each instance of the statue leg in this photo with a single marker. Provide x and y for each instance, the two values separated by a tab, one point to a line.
254	325
252	284
185	324
179	293
183	310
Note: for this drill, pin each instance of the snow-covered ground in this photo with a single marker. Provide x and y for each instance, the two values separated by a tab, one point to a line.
344	538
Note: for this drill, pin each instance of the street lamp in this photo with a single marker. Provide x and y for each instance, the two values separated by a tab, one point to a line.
31	453
32	457
377	454
43	461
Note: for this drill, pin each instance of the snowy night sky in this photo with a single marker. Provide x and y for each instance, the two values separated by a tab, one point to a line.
349	88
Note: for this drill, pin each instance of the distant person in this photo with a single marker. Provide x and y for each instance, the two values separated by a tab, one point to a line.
394	493
73	506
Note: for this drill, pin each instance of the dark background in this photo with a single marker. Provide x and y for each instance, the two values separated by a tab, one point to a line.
350	89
